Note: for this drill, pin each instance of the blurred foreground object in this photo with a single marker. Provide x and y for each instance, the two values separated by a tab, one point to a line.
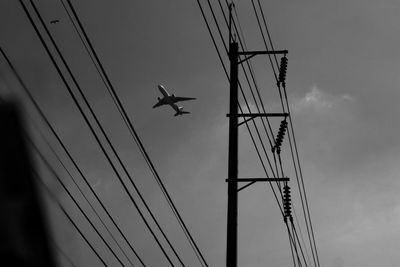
23	229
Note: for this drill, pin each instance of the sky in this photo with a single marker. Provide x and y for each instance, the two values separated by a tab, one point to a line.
343	90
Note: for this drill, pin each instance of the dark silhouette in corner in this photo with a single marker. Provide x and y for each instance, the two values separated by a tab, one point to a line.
23	233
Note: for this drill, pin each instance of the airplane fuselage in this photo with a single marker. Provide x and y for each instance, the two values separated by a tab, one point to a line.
163	90
168	98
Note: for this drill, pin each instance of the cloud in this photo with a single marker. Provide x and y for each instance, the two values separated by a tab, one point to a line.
327	127
350	162
318	100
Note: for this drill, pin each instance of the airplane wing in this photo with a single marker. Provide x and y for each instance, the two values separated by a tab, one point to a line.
160	103
178	99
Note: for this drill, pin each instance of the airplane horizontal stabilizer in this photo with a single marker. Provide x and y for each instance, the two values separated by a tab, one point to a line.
181	113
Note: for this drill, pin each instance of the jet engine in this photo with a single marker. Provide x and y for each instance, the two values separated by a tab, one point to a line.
158	98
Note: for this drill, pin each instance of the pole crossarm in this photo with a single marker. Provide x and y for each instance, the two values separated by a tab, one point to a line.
254	180
283	179
253	116
250	54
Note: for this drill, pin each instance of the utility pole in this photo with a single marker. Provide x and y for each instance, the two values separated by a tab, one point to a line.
232	215
231	255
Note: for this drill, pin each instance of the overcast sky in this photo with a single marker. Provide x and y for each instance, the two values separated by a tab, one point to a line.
343	88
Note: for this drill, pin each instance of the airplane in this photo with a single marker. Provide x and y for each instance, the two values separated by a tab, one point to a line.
171	100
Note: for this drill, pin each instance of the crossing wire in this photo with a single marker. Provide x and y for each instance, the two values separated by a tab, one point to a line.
82	193
106	137
224	44
69	218
244	94
254	124
242	43
295	145
226	73
251	69
227	76
72	198
308	221
47	122
248	82
91	128
131	128
62	252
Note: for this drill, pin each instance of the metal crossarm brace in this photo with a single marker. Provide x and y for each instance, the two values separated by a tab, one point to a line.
260	115
254	180
252	116
245	121
251	54
284	179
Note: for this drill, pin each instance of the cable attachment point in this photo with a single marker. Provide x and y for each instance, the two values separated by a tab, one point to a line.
287	203
282	70
279	137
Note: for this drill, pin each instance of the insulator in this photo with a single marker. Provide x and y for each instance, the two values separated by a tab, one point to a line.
287	201
278	144
282	69
283	125
280	135
281	131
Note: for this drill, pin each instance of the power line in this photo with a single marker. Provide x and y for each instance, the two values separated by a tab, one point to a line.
249	66
84	196
244	97
62	252
88	123
313	246
302	183
47	122
104	134
133	132
73	199
308	221
251	135
70	219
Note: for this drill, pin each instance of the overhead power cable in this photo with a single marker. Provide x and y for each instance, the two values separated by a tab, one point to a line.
306	216
70	219
65	256
248	81
249	66
106	136
84	196
88	123
244	97
227	76
47	122
73	199
246	122
134	134
226	73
